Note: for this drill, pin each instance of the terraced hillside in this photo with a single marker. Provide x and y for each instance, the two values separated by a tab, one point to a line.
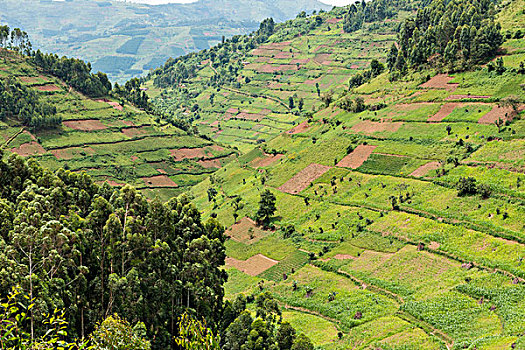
279	81
112	142
399	225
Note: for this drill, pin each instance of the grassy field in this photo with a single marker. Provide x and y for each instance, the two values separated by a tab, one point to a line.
117	144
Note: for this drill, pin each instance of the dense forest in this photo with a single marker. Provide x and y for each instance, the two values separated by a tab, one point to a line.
24	104
74	72
96	251
452	33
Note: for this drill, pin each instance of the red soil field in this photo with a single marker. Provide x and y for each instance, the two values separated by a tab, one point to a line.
367	126
440	81
134	131
187	153
445	110
460	97
49	87
255	265
334	20
302	179
29	149
497	112
424	169
240	231
69	153
159	181
355	159
267	160
128	123
210	163
299	128
85	125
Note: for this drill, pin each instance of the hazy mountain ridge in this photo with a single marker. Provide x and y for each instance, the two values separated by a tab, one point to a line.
128	39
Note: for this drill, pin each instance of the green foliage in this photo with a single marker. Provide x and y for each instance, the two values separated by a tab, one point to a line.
74	72
266	208
15	312
94	250
117	334
23	103
457	33
194	335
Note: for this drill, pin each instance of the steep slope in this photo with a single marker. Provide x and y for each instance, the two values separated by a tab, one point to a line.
276	84
127	39
114	142
400	225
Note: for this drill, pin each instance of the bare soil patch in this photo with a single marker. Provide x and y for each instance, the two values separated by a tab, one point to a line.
159	181
299	128
424	169
369	127
134	131
302	179
355	159
70	153
245	231
128	122
334	20
344	257
29	149
268	160
187	153
48	87
210	163
445	110
440	81
460	97
254	266
411	106
497	112
85	125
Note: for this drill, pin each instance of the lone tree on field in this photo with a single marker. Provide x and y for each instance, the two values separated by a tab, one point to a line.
266	208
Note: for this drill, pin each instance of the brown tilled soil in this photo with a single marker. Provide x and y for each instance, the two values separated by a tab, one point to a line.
116	105
210	163
85	125
445	110
497	112
267	160
283	55
299	128
240	231
49	87
355	159
232	111
460	97
128	123
255	265
424	169
29	149
344	257
134	131
370	127
69	153
250	116
334	20
302	179
187	153
440	81
162	171
159	181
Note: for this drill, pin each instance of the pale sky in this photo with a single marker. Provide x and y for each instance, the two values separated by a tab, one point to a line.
156	2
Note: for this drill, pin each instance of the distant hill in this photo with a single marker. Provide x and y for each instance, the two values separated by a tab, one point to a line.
128	39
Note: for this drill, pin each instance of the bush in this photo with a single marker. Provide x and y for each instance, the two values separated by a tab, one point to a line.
466	186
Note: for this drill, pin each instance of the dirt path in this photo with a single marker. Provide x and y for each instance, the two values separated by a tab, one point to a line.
307	311
13	137
427	328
